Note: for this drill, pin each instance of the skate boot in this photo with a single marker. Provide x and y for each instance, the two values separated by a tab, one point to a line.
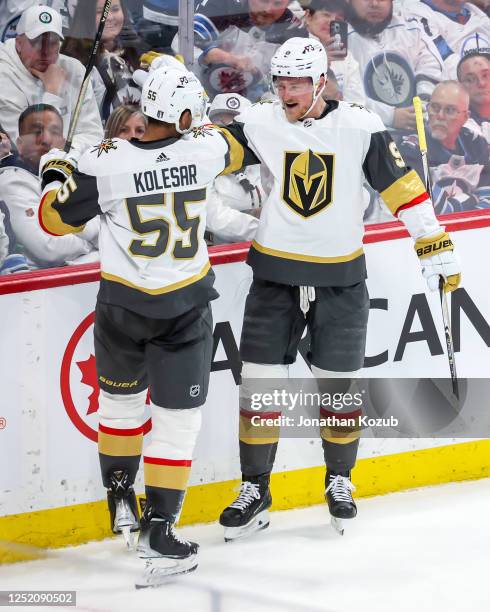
249	512
166	554
123	507
338	495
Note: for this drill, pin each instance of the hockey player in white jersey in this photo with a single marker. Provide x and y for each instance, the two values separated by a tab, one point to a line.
453	26
309	265
153	324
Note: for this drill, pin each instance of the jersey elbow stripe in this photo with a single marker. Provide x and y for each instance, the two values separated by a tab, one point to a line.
403	191
50	219
235	156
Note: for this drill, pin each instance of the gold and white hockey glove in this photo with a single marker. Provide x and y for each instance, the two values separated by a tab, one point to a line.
56	165
437	258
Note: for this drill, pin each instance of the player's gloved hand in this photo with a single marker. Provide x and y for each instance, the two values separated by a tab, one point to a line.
437	258
152	60
56	165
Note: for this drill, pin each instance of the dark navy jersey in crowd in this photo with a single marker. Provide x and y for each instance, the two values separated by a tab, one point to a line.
214	16
471	150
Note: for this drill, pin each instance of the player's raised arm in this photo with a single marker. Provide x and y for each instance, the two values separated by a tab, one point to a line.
405	195
69	199
240	153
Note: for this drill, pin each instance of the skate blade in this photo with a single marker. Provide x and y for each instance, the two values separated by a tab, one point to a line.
128	536
259	522
338	525
160	570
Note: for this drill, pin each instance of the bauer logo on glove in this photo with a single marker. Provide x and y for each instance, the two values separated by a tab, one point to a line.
443	243
437	258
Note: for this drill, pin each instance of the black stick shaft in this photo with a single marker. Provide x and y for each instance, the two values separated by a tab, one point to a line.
90	64
446	319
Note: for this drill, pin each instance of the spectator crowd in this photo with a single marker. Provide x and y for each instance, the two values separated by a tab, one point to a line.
381	54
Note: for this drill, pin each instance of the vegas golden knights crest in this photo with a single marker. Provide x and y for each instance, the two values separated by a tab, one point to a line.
308	181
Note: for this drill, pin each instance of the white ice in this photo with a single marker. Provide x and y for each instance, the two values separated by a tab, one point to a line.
416	551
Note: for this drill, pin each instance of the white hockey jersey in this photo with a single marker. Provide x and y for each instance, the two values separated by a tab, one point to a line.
311	228
152	200
396	65
452	36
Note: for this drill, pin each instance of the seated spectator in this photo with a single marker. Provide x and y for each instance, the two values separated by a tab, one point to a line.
127	123
11	11
458	158
32	71
40	129
240	190
397	61
118	54
474	75
10	261
236	41
452	26
318	17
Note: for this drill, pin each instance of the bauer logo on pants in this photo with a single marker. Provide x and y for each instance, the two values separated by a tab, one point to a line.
308	181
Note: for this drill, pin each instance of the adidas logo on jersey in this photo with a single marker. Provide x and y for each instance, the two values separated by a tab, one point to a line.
162	157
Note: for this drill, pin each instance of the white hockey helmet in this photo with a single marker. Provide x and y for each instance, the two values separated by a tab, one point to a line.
167	93
301	57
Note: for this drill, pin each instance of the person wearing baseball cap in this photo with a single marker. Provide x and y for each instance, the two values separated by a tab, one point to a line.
39	20
225	107
33	71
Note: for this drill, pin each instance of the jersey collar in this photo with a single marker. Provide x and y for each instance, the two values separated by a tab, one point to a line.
153	144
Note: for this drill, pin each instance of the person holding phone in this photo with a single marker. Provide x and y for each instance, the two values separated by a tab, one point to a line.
325	21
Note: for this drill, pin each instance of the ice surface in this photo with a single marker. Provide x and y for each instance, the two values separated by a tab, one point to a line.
417	551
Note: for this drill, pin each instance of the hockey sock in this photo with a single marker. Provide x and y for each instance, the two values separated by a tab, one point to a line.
120	433
259	427
340	435
168	459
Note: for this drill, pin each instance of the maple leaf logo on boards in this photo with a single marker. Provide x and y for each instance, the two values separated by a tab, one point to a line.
79	384
89	377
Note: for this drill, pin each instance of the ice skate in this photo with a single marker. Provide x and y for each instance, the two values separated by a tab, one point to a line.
123	507
338	494
165	553
249	512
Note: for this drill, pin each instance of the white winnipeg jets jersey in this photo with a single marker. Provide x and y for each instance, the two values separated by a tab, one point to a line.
311	227
395	65
152	200
452	37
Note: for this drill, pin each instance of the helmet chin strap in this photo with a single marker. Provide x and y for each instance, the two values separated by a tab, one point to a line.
315	99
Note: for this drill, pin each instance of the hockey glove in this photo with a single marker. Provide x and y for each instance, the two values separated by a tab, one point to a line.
437	258
57	166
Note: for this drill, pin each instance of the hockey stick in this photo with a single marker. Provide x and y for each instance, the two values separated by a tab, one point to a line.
88	70
417	104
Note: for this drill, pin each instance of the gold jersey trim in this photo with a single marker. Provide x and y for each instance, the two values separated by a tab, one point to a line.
308	258
236	152
162	290
403	191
